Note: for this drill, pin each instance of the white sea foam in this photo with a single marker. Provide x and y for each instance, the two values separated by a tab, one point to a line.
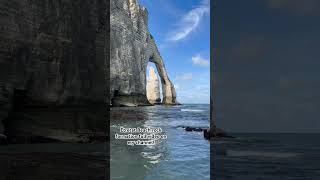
192	110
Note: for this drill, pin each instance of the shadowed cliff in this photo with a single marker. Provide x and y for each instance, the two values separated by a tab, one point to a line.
53	56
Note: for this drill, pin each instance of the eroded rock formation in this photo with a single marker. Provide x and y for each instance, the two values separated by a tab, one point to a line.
53	56
132	47
153	88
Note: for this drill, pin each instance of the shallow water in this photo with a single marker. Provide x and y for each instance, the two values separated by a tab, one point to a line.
183	155
268	156
54	161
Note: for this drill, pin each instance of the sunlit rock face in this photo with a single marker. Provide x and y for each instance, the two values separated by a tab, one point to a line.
153	88
132	47
52	68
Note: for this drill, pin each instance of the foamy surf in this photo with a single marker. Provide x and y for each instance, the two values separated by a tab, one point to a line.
192	110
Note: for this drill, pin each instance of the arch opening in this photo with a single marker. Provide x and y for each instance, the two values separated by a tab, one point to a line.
154	86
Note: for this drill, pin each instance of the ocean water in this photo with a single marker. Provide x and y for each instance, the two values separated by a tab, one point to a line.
267	157
183	155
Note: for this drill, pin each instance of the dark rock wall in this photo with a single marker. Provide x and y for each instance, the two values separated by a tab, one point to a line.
53	57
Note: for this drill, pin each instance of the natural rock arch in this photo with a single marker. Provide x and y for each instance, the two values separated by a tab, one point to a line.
131	48
168	90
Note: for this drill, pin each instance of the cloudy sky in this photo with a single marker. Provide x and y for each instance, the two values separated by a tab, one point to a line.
268	65
182	32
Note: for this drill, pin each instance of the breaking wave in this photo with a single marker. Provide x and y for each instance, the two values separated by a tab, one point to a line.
192	110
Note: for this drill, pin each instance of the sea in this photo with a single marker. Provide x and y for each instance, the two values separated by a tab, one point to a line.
267	156
182	155
186	155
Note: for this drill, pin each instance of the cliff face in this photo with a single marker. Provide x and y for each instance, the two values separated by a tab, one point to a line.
52	68
132	47
153	88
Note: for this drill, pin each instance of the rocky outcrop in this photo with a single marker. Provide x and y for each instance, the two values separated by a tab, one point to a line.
153	88
53	58
132	47
217	133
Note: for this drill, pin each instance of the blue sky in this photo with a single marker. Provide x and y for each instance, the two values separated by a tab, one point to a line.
182	32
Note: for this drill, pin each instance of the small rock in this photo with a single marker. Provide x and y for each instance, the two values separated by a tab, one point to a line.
193	129
217	134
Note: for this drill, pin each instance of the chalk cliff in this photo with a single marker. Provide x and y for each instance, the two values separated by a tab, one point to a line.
153	88
53	57
132	47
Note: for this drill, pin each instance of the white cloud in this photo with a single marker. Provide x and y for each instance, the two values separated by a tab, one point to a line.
190	21
200	61
186	76
200	84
